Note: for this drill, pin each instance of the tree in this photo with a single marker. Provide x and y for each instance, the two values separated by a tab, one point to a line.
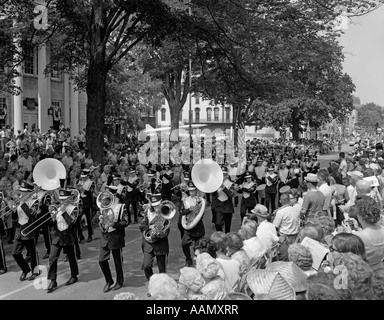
370	114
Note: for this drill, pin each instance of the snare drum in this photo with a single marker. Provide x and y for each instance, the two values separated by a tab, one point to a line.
261	190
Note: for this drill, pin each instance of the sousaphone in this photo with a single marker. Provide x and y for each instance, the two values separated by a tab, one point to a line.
207	175
48	172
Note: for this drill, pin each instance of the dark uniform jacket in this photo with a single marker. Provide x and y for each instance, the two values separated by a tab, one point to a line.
65	237
198	230
159	246
247	204
166	191
227	205
116	238
19	228
132	195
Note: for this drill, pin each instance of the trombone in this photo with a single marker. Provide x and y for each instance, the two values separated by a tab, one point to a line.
52	211
16	203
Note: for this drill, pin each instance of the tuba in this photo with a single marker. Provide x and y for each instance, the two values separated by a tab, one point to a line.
197	205
160	224
46	174
107	205
207	175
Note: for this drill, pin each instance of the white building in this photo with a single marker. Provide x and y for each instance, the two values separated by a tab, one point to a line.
203	111
42	97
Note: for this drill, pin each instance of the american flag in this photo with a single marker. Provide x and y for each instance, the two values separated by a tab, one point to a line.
241	144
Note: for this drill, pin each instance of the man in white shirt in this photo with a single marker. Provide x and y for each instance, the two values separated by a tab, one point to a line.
343	164
266	231
354	177
25	161
67	160
287	220
323	186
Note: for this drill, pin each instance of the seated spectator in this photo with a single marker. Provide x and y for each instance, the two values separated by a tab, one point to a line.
372	232
348	242
231	267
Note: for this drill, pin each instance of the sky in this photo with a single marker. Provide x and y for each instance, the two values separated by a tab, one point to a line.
363	42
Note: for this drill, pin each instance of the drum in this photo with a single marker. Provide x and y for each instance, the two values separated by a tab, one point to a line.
261	190
284	189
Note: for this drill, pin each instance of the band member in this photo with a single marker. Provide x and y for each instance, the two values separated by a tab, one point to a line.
271	180
183	193
260	171
224	205
46	201
25	214
196	233
155	244
112	239
248	201
166	187
132	195
63	220
86	188
283	175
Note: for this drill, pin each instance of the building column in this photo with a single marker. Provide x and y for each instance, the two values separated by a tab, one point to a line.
74	110
18	99
43	91
66	105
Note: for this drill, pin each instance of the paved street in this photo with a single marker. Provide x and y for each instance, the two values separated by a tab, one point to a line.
91	280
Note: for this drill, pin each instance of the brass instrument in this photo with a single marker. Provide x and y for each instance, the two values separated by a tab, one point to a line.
159	225
46	174
106	203
207	175
30	198
198	207
70	205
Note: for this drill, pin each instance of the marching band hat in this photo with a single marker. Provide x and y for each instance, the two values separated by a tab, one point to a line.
151	172
113	189
259	160
85	173
187	176
224	169
248	175
155	199
26	187
116	176
191	186
64	194
271	168
132	170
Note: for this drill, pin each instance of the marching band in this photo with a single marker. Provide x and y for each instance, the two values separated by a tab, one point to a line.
59	208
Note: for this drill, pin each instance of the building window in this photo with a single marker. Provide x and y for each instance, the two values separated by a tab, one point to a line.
228	114
197	98
162	114
197	115
55	74
209	114
162	100
29	62
3	111
216	114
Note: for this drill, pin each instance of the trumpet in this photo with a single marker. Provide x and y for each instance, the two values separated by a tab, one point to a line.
31	195
53	212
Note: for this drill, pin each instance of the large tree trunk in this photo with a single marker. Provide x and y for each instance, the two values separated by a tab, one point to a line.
96	96
96	88
295	129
